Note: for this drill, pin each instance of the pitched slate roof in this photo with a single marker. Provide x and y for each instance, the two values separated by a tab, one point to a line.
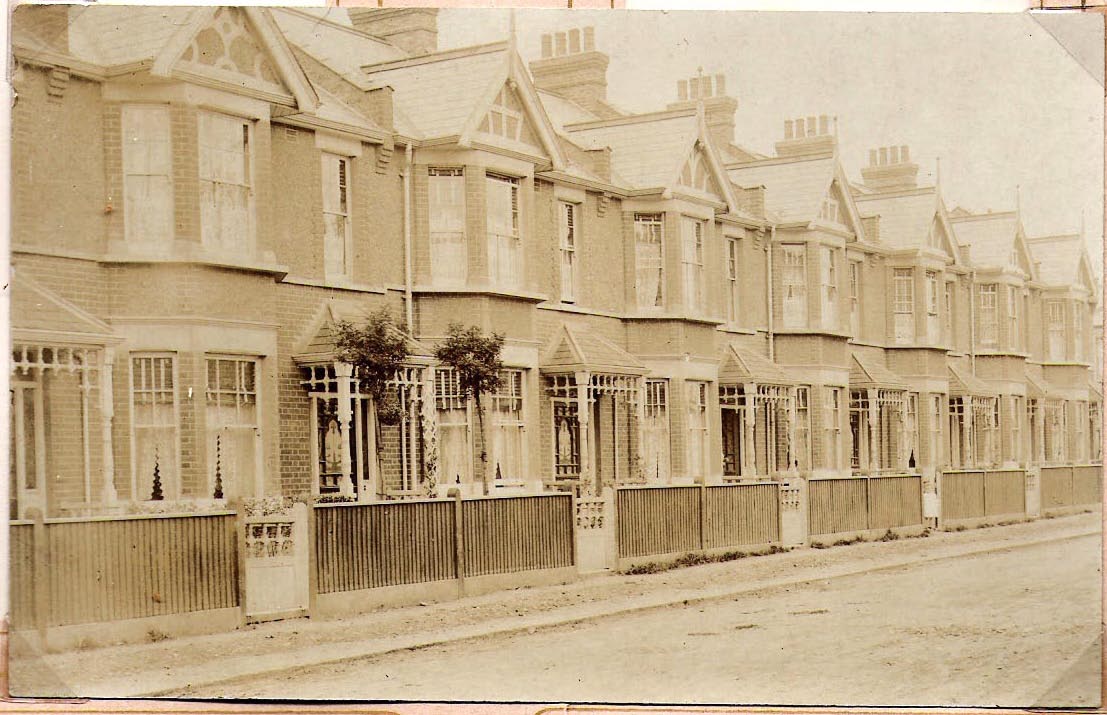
905	218
741	365
319	345
325	34
435	95
869	372
563	111
647	150
1058	258
991	237
574	348
794	186
115	35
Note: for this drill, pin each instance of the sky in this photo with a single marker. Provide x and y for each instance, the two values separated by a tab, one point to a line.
996	97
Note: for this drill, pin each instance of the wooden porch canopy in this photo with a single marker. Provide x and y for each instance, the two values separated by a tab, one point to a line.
319	345
865	372
574	350
740	366
1037	387
962	383
51	334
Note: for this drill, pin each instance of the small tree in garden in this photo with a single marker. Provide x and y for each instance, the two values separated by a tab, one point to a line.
376	349
476	358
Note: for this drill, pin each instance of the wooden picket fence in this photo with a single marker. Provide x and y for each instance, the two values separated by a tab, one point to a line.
1071	485
862	503
975	494
93	570
684	519
363	546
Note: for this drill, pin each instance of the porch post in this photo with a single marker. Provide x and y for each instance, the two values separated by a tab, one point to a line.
874	430
1039	427
640	419
86	447
749	429
968	454
344	373
108	494
901	421
429	413
583	419
792	419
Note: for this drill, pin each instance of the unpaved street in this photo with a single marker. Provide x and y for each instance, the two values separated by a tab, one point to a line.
1010	628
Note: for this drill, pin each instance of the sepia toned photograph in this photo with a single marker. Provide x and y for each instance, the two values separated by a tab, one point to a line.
439	355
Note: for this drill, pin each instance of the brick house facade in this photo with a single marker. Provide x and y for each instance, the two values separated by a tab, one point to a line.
228	183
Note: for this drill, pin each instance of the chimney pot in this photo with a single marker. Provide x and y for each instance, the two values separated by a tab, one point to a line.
800	132
788	129
547	45
561	43
903	155
574	41
589	39
893	155
812	128
824	124
872	157
883	155
682	89
694	88
720	84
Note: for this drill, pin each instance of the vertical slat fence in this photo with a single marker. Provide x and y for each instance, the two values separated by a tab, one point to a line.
1056	486
962	495
742	514
1087	484
507	535
837	505
661	520
895	501
1004	492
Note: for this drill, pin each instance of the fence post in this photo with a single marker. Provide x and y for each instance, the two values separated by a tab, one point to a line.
239	526
40	573
703	515
868	503
1072	485
459	542
575	530
984	491
312	560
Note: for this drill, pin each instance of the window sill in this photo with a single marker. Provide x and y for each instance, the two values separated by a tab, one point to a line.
333	284
191	253
481	290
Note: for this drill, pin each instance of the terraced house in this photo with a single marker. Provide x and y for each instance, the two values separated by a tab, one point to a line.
226	184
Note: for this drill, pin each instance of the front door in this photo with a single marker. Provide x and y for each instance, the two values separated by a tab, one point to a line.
28	449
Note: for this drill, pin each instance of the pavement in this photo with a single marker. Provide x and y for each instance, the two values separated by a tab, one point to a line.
176	666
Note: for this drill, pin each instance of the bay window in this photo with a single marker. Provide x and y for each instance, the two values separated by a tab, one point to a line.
692	261
655	431
147	172
1055	319
506	411
233	437
505	268
1013	341
903	304
931	306
226	197
949	312
446	206
697	429
455	455
794	284
832	425
649	261
855	298
988	318
732	292
803	428
156	439
829	276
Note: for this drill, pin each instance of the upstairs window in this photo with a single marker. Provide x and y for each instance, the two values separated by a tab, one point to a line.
692	260
649	261
337	241
732	294
1055	320
829	276
147	171
226	197
1078	333
567	213
931	306
446	205
989	321
1013	340
794	283
505	266
949	312
903	304
829	210
855	298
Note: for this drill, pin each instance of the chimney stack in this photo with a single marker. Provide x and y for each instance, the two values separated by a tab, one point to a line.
413	29
718	108
890	169
571	67
808	135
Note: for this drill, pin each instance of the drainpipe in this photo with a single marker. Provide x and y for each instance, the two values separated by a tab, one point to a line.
406	177
769	292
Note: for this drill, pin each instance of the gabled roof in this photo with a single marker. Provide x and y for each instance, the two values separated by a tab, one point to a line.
1038	386
740	365
649	151
992	239
320	33
318	344
908	218
575	349
562	111
795	186
37	312
867	372
115	35
1062	260
963	382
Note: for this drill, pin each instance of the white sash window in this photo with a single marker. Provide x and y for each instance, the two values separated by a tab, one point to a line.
337	242
448	254
234	439
649	261
226	200
505	267
794	283
147	172
156	426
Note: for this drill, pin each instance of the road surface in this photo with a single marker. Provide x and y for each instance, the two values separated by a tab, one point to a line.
1011	628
